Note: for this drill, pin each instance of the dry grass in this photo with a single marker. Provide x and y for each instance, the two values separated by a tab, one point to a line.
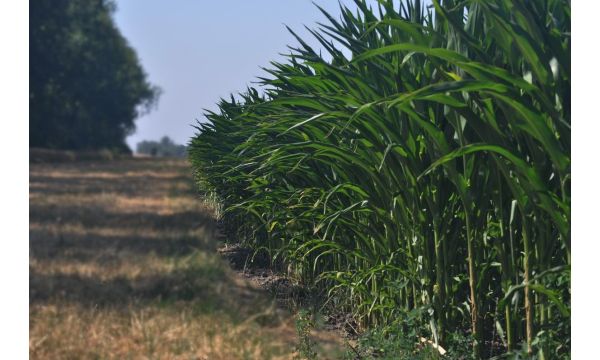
123	266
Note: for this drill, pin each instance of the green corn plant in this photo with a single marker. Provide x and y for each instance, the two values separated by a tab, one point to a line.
422	163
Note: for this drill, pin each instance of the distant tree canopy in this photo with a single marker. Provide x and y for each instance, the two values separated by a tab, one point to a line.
164	148
86	84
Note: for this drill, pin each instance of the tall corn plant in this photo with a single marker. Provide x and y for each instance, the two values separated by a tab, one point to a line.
428	170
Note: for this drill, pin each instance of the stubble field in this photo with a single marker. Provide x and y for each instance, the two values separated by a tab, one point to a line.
123	265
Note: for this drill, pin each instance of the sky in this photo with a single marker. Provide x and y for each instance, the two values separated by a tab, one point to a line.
201	51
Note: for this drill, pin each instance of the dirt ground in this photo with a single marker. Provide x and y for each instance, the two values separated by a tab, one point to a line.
123	265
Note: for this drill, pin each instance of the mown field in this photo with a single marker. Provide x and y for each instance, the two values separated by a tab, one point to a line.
123	265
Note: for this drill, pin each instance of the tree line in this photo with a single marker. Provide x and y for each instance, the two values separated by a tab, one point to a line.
86	83
163	148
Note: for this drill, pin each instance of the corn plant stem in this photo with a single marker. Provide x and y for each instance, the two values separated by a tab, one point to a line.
526	279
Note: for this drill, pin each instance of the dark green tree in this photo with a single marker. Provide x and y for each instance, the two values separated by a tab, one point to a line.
86	84
164	148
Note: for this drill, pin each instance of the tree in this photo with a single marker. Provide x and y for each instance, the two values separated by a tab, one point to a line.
164	148
86	84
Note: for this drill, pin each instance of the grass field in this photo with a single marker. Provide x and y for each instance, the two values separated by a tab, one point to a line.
123	265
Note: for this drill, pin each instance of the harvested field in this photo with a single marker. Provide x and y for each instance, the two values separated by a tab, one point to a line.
123	265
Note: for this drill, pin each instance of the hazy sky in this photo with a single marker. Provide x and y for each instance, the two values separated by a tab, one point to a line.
200	51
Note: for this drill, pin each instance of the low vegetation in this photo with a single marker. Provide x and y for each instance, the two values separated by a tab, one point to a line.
123	265
417	169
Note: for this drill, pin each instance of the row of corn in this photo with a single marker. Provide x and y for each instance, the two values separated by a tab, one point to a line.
418	160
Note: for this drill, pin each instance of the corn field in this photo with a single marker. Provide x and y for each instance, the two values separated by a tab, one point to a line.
420	161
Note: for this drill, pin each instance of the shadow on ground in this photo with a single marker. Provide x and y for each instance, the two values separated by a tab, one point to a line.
115	242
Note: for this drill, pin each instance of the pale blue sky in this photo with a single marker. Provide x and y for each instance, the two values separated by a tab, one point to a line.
200	51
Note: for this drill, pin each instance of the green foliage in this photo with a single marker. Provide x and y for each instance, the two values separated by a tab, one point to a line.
86	86
429	170
398	340
377	345
163	148
306	346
